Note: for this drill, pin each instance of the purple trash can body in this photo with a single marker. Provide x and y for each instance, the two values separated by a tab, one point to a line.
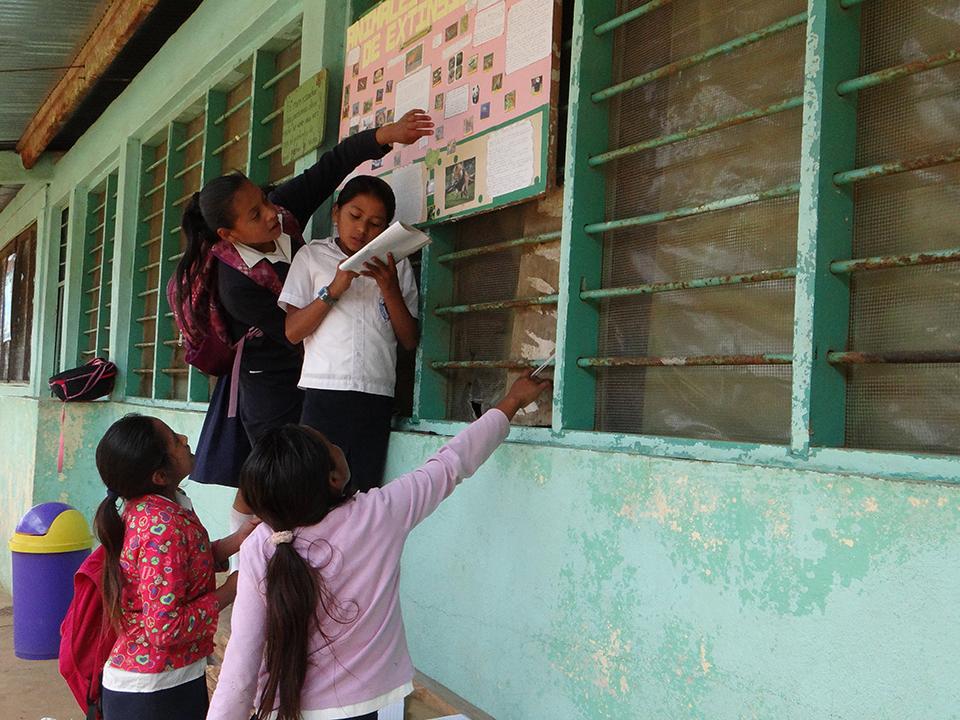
50	543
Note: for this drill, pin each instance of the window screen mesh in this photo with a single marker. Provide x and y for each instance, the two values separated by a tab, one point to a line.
516	334
728	402
908	406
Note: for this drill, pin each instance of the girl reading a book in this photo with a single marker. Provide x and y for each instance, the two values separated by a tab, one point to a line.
350	324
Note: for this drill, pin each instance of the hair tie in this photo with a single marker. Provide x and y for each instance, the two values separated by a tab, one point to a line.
281	537
112	496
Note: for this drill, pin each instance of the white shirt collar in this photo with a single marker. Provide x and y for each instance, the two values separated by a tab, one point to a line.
280	254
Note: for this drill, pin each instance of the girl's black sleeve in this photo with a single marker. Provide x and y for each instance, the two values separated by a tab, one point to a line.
304	194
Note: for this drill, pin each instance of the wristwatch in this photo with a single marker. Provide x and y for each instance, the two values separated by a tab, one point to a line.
324	294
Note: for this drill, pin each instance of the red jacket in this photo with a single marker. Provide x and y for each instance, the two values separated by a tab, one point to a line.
168	609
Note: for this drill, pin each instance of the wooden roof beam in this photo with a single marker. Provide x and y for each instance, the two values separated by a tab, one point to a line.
117	26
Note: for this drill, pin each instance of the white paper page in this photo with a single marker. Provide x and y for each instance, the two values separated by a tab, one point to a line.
408	185
510	160
413	92
456	102
353	56
489	23
460	45
529	38
400	239
481	4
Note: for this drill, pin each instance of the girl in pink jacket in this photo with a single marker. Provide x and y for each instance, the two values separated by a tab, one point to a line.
317	630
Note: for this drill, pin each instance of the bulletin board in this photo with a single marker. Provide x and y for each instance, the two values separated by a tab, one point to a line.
485	72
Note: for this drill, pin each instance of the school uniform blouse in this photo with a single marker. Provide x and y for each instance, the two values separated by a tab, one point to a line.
354	348
168	608
358	546
250	305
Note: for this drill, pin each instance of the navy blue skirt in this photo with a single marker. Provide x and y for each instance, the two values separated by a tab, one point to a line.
184	702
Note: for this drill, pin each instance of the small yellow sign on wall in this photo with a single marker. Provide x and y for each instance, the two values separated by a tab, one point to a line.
304	118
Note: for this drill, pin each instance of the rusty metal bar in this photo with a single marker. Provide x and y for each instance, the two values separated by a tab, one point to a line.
497	305
282	74
738	119
230	111
500	247
717	281
630	16
895	167
485	364
686	361
904	357
714	205
898	71
882	262
701	57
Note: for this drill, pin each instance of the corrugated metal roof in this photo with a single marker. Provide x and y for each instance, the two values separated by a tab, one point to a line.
37	34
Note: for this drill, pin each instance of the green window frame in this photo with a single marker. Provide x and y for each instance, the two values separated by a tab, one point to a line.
97	270
827	191
235	126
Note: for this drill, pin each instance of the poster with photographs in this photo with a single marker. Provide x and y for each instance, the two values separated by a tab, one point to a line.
485	71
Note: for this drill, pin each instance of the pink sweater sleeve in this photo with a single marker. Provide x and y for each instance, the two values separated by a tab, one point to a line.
237	686
413	496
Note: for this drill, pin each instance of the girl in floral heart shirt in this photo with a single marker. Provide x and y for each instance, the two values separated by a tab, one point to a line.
159	587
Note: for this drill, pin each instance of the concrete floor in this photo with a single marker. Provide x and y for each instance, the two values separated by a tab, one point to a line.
34	690
30	689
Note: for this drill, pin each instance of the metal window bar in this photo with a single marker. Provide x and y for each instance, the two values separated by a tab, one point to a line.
175	258
629	16
497	305
280	75
96	210
142	371
549	237
142	345
898	71
151	291
155	164
98	228
730	121
91	311
269	151
151	216
175	371
686	360
185	143
701	57
712	206
146	318
228	143
896	166
188	168
901	357
151	241
520	364
180	201
267	119
884	262
153	191
95	249
88	352
151	266
230	111
717	281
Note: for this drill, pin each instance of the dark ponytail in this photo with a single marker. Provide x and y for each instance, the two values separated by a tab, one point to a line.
128	455
205	212
285	482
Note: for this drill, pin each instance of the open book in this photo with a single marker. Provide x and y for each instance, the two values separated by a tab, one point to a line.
400	239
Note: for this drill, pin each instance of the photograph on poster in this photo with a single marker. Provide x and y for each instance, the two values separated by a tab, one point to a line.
536	84
468	126
362	84
381	118
472	64
438	102
389	86
413	60
464	24
377	75
437	76
510	100
485	111
497	82
475	94
460	183
450	33
488	62
379	95
367	106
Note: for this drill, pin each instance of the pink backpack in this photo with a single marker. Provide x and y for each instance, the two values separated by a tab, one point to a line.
208	346
86	637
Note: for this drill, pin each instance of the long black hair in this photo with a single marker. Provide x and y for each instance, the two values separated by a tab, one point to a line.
285	480
205	213
369	185
128	455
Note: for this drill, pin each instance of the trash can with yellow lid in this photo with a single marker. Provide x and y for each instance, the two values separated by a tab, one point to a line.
50	543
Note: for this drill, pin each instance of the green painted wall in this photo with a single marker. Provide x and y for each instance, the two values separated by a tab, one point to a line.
18	432
572	584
